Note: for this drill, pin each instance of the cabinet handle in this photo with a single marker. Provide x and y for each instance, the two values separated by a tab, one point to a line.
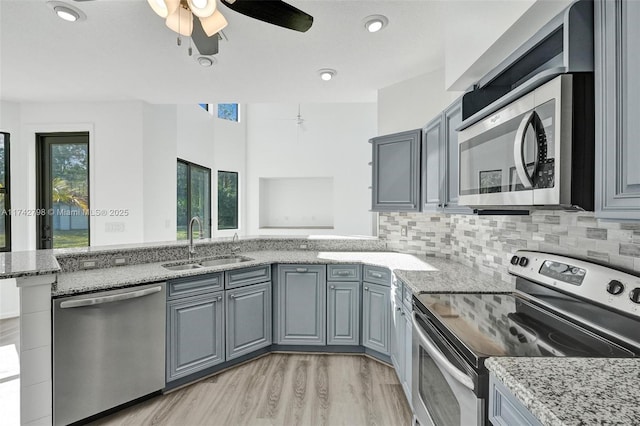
301	270
366	289
333	287
402	313
233	296
440	205
375	274
219	298
343	273
397	309
445	204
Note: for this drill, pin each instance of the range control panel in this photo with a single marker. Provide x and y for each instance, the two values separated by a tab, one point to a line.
603	285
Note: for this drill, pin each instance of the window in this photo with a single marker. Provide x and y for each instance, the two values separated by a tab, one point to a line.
193	198
227	200
228	112
5	223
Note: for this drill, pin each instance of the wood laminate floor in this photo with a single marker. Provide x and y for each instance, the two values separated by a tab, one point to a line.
282	389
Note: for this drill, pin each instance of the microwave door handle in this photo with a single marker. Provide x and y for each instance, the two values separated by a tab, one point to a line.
439	358
518	150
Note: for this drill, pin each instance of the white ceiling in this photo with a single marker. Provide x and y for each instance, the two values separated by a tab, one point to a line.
123	51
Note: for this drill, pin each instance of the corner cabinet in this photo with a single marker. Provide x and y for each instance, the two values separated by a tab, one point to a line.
376	317
300	299
396	172
248	323
505	409
617	83
440	162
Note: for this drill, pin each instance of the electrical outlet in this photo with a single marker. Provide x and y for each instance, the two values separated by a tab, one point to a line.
303	246
403	231
89	264
119	261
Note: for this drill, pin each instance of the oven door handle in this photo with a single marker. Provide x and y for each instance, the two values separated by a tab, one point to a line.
440	359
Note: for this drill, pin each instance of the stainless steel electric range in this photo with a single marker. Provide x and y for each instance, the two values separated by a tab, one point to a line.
561	307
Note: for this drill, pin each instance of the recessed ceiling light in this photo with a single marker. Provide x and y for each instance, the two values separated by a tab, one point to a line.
66	12
206	61
327	74
375	23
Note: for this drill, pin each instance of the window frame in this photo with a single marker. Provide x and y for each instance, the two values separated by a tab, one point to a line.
237	209
7	193
189	165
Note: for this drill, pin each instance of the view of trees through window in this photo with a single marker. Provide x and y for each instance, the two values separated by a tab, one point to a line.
193	198
228	112
227	200
5	220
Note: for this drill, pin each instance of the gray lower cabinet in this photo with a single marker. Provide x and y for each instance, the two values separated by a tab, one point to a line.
343	313
396	172
376	317
248	322
617	83
505	409
300	299
195	331
440	162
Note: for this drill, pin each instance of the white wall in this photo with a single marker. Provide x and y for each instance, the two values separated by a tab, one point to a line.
217	144
331	142
159	172
412	103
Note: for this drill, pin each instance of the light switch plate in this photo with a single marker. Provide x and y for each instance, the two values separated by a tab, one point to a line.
403	231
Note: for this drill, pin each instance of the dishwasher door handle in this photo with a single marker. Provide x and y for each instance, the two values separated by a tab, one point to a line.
77	303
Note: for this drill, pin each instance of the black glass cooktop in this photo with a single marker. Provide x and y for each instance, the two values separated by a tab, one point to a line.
506	325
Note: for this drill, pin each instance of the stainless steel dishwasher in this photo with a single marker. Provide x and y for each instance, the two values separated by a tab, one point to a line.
108	349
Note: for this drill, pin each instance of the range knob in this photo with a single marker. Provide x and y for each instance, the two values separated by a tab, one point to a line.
514	260
635	295
523	261
615	287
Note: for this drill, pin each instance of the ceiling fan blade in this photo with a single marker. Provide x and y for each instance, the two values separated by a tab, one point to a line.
206	45
274	12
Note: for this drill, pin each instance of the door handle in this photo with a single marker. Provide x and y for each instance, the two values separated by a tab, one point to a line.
518	150
77	303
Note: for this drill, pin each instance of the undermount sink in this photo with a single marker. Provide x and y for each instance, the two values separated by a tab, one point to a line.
224	261
186	267
205	263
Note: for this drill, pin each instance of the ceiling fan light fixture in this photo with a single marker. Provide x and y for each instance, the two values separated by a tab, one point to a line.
375	23
181	21
214	23
327	74
202	8
164	8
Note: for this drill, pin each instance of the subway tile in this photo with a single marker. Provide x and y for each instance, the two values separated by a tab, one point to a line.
630	250
596	234
603	257
632	226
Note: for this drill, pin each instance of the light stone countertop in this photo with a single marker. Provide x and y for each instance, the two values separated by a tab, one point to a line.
421	274
574	391
27	263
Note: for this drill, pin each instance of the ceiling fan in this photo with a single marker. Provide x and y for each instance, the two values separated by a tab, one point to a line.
202	20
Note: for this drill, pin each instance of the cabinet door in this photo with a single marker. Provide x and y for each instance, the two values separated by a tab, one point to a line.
194	334
343	313
248	319
397	339
396	172
617	83
376	317
451	118
408	363
431	186
301	305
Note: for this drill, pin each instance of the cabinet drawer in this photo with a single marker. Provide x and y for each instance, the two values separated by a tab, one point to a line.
192	286
247	276
504	409
377	275
343	273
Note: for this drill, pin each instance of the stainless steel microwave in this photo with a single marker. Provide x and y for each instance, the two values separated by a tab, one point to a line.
538	151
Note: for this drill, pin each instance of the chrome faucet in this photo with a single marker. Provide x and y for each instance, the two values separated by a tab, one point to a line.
235	248
192	250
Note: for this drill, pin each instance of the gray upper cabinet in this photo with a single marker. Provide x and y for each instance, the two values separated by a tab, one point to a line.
440	162
343	313
376	317
617	83
300	315
396	172
195	331
248	319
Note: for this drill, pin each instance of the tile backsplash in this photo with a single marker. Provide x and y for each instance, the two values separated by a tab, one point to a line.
488	242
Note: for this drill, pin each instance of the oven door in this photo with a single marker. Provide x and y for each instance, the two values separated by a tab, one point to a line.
443	392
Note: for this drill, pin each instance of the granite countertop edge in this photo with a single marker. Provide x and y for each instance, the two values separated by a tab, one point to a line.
420	273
